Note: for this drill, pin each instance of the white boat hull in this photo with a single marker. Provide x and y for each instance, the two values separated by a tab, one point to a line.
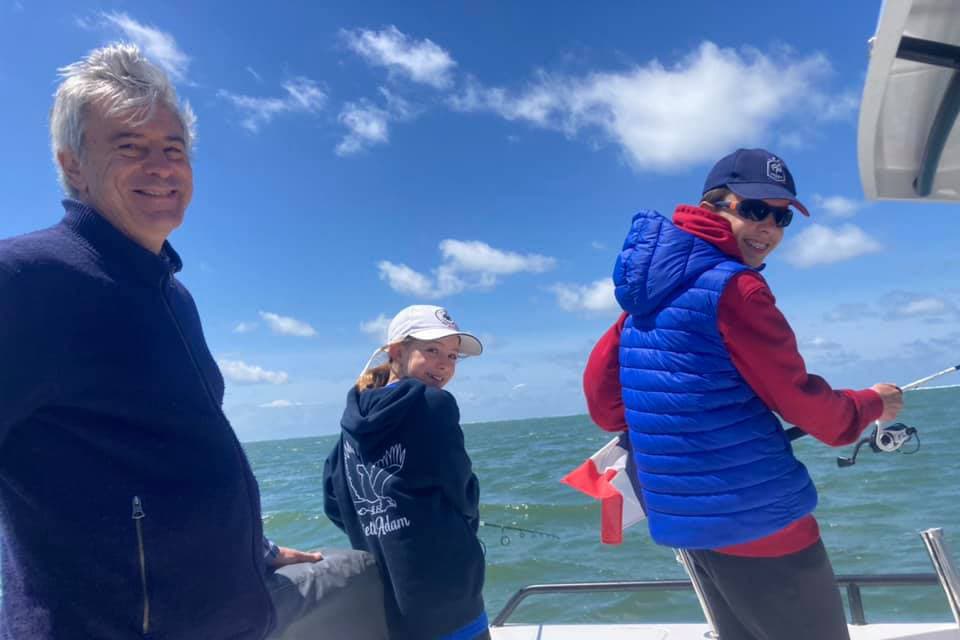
935	631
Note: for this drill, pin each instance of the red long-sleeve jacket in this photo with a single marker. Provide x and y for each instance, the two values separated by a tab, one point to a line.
764	350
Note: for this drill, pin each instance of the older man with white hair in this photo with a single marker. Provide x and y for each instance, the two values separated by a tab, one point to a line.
127	505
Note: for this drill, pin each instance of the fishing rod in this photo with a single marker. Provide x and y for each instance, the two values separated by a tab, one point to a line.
884	439
505	539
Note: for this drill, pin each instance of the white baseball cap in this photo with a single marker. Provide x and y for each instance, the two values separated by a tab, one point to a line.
426	322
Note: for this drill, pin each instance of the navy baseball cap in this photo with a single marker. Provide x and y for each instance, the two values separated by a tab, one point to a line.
757	174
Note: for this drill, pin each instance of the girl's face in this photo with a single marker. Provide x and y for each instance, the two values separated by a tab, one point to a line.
432	362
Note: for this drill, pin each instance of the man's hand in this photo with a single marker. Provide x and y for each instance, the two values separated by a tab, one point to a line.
287	556
892	398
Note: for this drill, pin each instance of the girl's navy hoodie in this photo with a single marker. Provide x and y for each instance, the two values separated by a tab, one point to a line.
400	484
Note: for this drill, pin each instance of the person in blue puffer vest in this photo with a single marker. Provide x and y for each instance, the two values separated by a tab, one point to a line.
702	362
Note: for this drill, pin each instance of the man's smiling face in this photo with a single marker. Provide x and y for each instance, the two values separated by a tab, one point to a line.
136	176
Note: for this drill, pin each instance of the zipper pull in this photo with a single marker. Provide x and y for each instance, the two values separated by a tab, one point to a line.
137	508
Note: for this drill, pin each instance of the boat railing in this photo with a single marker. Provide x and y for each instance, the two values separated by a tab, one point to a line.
850	583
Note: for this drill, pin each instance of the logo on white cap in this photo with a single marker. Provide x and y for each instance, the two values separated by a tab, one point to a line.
444	316
775	169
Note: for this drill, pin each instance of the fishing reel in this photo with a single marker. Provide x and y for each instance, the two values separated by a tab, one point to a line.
889	439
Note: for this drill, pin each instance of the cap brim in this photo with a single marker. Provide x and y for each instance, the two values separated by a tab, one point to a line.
469	345
766	191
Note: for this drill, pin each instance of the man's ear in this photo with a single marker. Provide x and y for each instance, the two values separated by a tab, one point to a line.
71	169
709	206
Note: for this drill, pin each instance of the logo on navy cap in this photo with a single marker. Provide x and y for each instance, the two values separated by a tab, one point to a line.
775	169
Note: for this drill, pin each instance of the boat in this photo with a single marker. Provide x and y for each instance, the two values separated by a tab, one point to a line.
945	574
907	145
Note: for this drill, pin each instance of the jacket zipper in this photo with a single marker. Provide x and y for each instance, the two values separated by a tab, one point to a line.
257	544
138	523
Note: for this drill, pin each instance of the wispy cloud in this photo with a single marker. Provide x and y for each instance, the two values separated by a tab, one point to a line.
596	296
303	95
422	61
245	327
368	124
159	46
280	404
850	312
376	327
287	326
253	72
821	350
466	265
818	245
819	343
666	118
480	257
837	206
903	305
17	6
243	373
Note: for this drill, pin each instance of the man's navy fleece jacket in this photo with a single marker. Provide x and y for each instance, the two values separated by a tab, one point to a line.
110	423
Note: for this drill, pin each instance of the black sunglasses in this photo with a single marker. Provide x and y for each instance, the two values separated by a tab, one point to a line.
758	210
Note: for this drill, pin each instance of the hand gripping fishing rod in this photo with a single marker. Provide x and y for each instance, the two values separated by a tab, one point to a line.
884	439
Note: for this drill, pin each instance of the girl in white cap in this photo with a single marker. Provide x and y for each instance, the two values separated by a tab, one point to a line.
399	481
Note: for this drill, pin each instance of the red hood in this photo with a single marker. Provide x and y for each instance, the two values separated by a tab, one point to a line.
708	226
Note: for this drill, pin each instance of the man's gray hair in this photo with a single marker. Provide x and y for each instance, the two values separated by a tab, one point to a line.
121	79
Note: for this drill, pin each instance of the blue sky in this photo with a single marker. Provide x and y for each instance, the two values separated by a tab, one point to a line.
488	157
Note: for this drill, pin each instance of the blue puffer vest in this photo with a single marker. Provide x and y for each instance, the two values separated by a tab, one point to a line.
715	465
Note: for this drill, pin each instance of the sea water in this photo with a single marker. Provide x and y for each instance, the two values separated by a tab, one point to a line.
870	515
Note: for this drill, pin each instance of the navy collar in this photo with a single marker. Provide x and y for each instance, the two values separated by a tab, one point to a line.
120	254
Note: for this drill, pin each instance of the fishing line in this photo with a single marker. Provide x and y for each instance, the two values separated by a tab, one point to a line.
505	538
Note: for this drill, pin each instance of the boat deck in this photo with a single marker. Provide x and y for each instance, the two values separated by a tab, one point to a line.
935	631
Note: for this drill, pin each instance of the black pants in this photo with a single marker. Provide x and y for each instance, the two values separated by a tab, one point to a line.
785	598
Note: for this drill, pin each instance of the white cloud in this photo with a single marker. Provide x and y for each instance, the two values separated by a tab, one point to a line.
254	73
925	306
18	6
243	373
596	296
818	244
466	265
280	404
819	343
823	351
668	118
837	206
481	257
599	246
901	305
287	326
403	279
159	46
850	312
303	95
419	60
376	327
245	327
368	124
